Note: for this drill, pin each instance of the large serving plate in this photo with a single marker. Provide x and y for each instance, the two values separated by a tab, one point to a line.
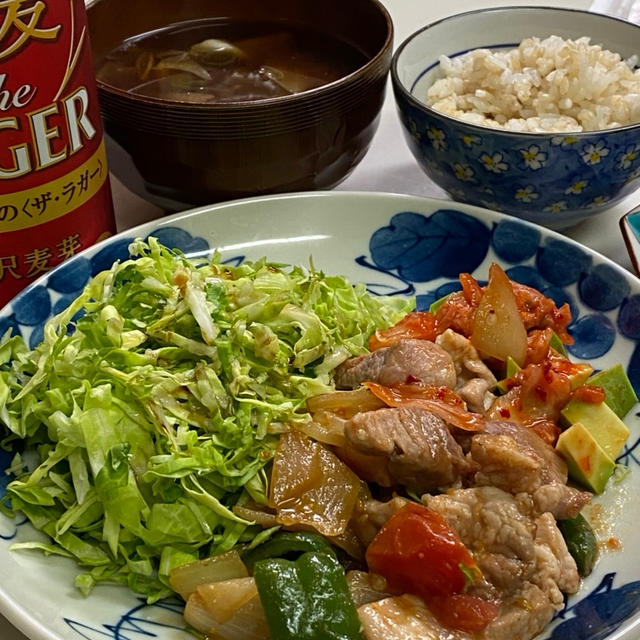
398	245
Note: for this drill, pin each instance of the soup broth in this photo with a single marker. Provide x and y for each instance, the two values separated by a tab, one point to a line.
213	61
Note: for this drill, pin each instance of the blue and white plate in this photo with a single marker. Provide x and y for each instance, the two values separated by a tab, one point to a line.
398	245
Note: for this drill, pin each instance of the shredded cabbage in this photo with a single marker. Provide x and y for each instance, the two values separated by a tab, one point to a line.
155	401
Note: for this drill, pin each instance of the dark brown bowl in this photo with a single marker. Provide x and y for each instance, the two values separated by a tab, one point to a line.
178	154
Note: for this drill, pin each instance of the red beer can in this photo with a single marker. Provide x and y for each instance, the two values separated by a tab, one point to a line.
55	196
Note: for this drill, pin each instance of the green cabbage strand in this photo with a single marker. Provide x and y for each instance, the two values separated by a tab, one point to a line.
155	401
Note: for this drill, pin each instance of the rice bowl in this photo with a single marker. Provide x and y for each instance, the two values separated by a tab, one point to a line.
571	148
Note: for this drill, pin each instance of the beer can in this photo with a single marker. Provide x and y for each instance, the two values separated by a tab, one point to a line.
55	196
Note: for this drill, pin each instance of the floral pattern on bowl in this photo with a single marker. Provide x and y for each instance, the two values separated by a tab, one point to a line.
510	173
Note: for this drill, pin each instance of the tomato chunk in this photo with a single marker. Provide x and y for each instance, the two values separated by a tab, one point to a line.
590	393
464	611
418	552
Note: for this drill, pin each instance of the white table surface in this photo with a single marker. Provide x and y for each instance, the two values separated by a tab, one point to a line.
389	166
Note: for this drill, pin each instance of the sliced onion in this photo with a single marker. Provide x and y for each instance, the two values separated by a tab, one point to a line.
344	403
246	623
186	578
223	599
498	329
327	428
311	486
361	588
197	615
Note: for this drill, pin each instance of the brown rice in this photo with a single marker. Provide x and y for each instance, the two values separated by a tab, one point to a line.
548	85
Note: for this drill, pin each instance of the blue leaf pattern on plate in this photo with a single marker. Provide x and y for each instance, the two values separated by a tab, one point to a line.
33	307
113	251
561	263
422	248
593	336
628	455
530	276
142	621
5	461
10	322
71	276
629	317
602	288
36	336
633	370
182	240
600	613
514	241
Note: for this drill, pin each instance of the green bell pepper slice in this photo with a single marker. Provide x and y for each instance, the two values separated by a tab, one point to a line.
287	544
307	598
581	542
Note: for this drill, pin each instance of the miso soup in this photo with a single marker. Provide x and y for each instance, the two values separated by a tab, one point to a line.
213	61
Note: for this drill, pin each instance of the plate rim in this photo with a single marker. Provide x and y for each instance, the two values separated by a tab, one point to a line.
219	207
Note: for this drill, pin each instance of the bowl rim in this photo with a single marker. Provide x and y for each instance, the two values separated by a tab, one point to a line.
279	101
400	87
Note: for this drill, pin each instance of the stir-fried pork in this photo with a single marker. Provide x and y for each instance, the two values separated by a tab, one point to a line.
403	618
558	572
474	379
560	500
514	548
501	463
416	446
553	467
369	516
407	360
406	617
501	489
522	615
516	459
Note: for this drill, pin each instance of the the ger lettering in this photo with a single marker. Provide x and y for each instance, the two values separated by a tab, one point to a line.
51	134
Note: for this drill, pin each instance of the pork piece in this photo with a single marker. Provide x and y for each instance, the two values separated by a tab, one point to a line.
414	445
521	616
474	379
403	618
501	463
496	528
558	567
511	543
369	515
476	394
522	555
406	617
405	361
553	467
515	459
560	500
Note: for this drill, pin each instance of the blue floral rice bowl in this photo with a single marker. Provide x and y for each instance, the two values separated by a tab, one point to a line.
551	177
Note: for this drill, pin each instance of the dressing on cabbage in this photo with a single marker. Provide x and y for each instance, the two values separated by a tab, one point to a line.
156	399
